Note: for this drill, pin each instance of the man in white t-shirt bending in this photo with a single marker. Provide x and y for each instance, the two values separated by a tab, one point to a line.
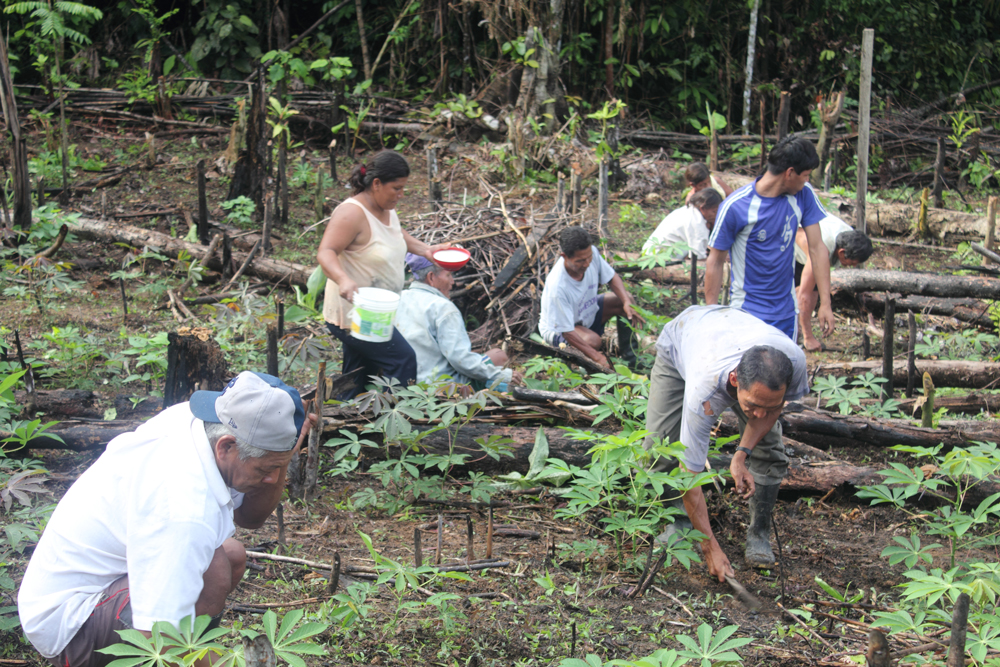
686	230
572	311
145	534
847	247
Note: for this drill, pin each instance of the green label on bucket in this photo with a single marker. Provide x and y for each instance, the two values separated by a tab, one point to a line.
372	323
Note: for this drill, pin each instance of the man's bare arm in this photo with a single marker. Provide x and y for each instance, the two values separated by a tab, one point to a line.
820	258
714	267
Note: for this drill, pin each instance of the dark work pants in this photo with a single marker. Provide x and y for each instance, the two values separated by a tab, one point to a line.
392	359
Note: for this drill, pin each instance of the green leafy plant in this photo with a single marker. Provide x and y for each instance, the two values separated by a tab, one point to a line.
240	211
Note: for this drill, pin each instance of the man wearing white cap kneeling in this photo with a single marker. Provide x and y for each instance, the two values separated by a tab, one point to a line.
146	533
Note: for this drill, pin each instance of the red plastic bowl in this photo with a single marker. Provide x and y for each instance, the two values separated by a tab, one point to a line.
453	265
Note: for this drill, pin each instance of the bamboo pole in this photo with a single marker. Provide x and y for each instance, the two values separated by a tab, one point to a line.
864	127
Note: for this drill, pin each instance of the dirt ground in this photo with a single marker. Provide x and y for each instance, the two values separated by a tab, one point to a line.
509	617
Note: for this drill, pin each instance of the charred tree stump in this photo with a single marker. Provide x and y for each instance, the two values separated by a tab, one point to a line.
939	174
254	162
194	361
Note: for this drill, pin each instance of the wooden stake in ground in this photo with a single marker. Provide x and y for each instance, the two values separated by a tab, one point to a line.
434	181
418	554
279	512
470	549
939	174
489	532
560	193
864	126
694	279
265	236
889	328
121	286
272	350
602	200
927	416
331	587
576	190
959	626
440	544
315	435
923	229
202	205
991	224
911	357
784	109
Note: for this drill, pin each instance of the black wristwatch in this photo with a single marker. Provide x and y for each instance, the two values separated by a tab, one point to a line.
744	450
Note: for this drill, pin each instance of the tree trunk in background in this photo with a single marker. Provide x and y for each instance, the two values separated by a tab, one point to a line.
19	150
366	60
609	50
829	112
751	49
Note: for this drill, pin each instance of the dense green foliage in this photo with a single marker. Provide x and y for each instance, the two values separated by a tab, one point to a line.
664	58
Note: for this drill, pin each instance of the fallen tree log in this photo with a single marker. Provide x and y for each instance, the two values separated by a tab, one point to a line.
272	270
855	281
970	404
897	219
827	429
60	403
971	311
972	374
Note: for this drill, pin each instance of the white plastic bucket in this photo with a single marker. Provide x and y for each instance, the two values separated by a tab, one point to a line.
373	314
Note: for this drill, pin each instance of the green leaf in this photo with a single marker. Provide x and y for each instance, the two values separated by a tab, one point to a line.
168	65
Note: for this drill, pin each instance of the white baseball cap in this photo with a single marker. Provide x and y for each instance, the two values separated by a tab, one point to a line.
261	410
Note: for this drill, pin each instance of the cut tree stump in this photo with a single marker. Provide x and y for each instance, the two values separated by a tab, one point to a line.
972	374
855	281
194	361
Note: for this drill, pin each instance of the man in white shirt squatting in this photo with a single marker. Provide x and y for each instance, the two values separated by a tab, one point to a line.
572	312
146	533
847	247
710	358
686	227
434	328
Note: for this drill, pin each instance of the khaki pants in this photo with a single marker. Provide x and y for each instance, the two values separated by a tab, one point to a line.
112	614
768	463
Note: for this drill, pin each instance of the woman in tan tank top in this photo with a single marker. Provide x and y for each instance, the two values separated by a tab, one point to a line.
364	246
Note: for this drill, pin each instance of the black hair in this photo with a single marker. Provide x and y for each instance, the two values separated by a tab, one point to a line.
795	152
857	246
767	365
696	173
707	198
573	239
386	166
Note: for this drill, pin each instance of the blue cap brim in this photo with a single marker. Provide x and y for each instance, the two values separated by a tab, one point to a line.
202	405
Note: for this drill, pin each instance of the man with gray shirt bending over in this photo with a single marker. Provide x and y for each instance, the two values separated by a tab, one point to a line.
710	358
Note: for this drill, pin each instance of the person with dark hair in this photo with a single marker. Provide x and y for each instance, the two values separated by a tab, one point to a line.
755	228
145	535
699	178
686	229
846	247
435	329
363	246
708	359
572	311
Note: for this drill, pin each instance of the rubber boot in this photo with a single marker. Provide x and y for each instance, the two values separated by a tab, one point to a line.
626	344
681	522
758	552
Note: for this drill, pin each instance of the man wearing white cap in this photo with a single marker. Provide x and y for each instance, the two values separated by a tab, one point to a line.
145	534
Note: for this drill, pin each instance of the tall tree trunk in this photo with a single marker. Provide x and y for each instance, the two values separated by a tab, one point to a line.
751	48
609	50
829	111
254	163
365	59
19	149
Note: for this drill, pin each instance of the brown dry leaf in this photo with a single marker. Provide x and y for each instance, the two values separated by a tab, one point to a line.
918	404
929	470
